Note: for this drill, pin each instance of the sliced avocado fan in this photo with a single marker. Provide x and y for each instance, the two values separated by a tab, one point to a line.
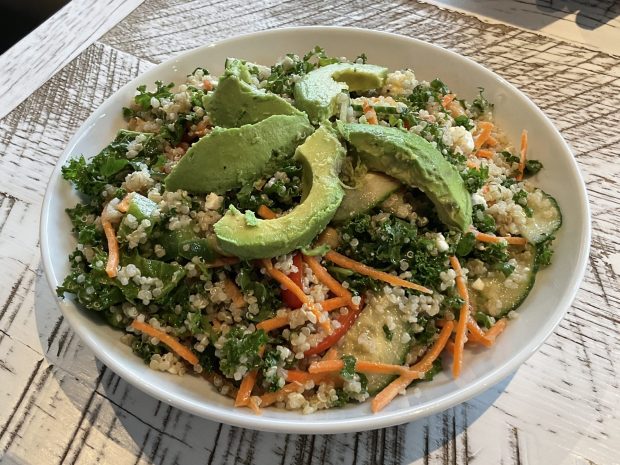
235	101
415	162
227	158
317	92
247	237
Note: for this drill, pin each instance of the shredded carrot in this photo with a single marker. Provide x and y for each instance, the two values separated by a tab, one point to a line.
496	329
206	85
447	100
450	347
223	261
330	366
369	112
491	239
165	338
273	323
303	377
253	404
332	354
273	397
426	363
245	389
461	327
492	141
289	284
123	205
472	164
484	134
111	267
321	273
476	334
234	293
360	268
265	212
417	371
523	153
335	303
485	153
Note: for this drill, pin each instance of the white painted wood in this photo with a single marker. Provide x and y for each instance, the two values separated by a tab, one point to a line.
39	55
595	24
59	405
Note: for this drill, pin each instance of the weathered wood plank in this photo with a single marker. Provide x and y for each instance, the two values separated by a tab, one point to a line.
560	407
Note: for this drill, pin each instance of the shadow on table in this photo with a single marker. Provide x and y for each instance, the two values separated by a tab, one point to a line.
158	433
589	15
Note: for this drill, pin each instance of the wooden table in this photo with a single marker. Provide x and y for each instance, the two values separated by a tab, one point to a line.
58	404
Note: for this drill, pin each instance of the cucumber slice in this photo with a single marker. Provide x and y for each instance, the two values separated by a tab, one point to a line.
546	217
367	340
499	294
372	189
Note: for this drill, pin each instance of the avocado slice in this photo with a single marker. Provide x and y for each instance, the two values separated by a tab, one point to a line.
141	208
317	92
414	162
228	158
235	101
246	237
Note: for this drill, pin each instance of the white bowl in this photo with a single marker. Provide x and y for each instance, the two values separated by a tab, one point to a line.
539	315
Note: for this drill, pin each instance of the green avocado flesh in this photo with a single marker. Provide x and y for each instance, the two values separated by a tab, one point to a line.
317	92
141	208
321	156
414	162
227	158
235	101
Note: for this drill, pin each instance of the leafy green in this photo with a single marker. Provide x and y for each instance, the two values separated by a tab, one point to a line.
480	104
389	334
483	320
495	256
83	218
544	252
466	245
463	120
267	292
532	167
474	178
482	221
241	344
169	274
509	157
434	370
145	350
348	370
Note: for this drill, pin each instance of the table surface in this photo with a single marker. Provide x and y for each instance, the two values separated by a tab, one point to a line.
58	404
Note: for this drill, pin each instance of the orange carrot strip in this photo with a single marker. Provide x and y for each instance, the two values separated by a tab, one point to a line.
332	354
523	153
491	141
477	334
265	212
273	397
461	327
303	377
496	329
369	113
165	338
273	323
111	267
472	164
330	366
234	293
123	205
335	303
485	153
417	371
253	404
245	389
327	279
431	355
360	268
299	293
450	347
206	85
491	239
484	134
447	100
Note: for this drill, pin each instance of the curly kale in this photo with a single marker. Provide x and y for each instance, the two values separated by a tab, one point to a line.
241	348
267	293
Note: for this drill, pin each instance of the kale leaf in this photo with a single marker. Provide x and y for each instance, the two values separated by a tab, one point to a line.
241	348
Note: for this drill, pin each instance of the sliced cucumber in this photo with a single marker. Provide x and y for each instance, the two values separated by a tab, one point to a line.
372	189
367	339
546	217
498	294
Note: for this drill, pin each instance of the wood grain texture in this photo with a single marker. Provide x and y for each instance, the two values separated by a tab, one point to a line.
39	55
62	406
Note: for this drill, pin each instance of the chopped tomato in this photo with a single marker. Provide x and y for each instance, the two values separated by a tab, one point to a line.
288	297
346	321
